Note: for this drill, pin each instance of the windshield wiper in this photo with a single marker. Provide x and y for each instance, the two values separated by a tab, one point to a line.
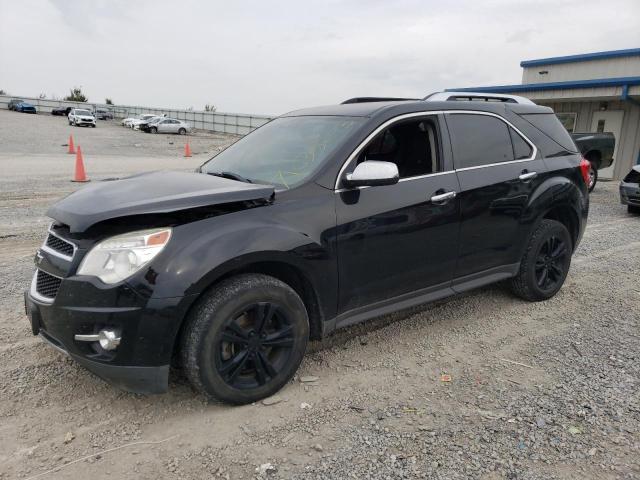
231	176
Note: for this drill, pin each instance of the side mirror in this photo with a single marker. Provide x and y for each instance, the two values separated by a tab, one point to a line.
371	173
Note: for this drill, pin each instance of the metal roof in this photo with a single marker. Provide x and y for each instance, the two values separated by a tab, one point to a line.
629	52
529	87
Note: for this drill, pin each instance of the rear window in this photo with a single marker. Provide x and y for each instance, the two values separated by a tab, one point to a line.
479	140
549	124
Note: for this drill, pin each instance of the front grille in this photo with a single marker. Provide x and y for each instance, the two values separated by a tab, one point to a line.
47	285
59	245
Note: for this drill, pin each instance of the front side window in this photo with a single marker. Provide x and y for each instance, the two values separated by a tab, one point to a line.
285	151
479	140
412	145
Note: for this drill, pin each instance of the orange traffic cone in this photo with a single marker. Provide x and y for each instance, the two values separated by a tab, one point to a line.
79	175
71	147
187	150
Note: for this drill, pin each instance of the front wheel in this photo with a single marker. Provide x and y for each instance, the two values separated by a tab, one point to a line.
633	209
245	339
593	176
182	131
153	130
545	263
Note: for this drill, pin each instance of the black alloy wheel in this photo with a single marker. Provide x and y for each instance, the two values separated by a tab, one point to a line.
254	346
550	263
245	338
545	263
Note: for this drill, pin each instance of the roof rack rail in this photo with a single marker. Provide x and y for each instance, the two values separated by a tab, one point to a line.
476	97
377	99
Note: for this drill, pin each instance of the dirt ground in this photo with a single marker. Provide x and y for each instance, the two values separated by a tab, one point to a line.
530	390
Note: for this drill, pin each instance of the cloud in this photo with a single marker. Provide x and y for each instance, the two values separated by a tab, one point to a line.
272	57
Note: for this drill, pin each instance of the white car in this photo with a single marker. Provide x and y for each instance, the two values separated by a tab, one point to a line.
145	117
80	116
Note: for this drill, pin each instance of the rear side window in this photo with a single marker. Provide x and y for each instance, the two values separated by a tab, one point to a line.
521	149
549	124
479	140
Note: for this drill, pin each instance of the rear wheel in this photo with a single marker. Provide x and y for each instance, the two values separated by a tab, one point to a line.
545	263
245	339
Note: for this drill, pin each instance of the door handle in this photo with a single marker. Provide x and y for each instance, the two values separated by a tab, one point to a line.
524	176
443	197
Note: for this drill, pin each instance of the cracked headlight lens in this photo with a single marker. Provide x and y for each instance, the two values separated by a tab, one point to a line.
119	257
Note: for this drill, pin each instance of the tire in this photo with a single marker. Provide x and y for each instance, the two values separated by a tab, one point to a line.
593	176
93	125
633	209
182	131
153	130
545	263
222	350
70	122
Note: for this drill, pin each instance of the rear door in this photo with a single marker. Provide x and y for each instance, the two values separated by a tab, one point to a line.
498	170
399	239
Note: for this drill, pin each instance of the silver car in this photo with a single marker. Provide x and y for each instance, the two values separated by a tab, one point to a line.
168	125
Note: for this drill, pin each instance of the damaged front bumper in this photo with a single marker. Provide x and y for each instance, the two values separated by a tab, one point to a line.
140	364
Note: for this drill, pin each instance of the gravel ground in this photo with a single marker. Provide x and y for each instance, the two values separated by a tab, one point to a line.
530	391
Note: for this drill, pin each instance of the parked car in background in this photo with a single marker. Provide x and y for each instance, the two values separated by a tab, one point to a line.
13	102
79	117
103	114
320	219
25	107
145	117
598	149
166	125
630	190
141	123
61	111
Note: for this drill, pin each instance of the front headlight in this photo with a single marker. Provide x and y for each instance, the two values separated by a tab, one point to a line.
119	257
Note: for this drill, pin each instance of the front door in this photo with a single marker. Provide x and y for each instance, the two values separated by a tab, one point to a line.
394	239
608	121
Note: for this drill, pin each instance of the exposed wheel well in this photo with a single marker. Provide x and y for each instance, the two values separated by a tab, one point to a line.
568	218
594	156
284	272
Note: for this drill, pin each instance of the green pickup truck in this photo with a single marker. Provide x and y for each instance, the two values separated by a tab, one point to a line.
598	149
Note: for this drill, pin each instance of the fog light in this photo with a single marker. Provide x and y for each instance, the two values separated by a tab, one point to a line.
108	339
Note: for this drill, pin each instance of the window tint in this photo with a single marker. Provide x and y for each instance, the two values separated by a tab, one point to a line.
549	124
479	140
521	148
411	145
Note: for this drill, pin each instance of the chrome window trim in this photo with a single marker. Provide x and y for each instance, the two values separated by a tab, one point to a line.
55	252
33	292
358	149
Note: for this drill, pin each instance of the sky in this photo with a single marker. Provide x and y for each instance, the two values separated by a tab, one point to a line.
270	57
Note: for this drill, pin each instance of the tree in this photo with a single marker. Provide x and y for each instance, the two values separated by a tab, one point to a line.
108	101
76	95
210	108
2	92
42	96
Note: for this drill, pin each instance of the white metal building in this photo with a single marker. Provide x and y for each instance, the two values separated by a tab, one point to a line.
593	92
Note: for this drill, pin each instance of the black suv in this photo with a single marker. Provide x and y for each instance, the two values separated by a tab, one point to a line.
319	219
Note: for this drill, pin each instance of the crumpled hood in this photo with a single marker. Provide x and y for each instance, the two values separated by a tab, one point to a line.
149	193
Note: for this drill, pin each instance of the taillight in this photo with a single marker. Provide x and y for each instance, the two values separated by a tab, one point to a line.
585	166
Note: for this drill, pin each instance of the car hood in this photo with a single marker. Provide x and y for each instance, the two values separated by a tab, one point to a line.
151	193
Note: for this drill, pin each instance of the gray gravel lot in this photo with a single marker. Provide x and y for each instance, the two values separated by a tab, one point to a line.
537	391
